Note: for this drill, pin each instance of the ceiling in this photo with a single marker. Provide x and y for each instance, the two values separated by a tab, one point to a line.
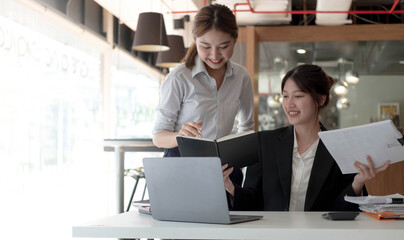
367	58
377	57
253	12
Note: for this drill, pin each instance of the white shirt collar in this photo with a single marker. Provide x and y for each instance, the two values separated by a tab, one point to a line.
200	67
311	151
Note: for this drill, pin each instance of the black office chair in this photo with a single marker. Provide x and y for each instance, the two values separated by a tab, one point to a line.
137	174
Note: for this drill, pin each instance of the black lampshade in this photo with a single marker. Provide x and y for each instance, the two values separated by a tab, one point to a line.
150	35
172	57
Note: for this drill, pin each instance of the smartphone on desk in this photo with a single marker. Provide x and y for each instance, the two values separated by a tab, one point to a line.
340	215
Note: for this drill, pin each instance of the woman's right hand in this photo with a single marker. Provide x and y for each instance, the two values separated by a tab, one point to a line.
191	129
366	173
228	184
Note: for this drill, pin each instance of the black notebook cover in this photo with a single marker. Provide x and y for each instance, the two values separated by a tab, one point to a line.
237	151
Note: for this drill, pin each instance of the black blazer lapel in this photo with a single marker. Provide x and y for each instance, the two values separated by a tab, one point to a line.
284	161
322	165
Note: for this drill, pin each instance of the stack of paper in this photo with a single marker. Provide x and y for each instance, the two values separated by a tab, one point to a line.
143	206
390	207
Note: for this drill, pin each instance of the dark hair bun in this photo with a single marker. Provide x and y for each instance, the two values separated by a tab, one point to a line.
330	81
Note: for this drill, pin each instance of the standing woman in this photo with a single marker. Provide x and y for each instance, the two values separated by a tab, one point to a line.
203	96
295	171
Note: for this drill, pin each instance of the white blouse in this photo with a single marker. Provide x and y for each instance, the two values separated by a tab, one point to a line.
192	95
301	169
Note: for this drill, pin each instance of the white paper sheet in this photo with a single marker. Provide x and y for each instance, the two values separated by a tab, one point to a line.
379	140
372	199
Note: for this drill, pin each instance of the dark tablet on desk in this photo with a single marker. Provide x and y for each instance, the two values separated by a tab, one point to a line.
340	215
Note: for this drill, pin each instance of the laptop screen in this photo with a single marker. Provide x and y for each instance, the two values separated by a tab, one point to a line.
189	189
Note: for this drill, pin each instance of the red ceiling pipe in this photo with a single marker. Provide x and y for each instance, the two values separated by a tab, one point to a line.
314	12
394	6
238	4
391	11
304	12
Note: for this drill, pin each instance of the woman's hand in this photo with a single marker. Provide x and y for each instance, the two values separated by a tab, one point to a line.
166	139
228	184
191	129
366	173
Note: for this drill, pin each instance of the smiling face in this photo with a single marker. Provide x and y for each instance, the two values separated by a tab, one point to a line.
298	106
215	48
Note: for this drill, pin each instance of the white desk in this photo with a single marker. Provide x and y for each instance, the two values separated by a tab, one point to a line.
120	146
274	225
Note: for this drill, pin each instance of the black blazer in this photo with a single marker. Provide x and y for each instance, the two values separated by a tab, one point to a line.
268	182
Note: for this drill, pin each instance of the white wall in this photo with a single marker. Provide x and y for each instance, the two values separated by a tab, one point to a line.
365	96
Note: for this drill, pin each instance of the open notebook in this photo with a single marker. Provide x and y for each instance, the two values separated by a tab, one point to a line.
189	189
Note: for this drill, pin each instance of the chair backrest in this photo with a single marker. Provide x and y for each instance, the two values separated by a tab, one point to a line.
388	182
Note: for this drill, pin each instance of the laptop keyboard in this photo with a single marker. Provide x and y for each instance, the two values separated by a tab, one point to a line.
237	217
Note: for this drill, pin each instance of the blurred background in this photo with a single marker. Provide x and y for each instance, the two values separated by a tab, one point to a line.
71	76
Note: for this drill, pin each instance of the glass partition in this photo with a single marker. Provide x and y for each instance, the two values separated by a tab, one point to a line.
52	167
134	97
379	65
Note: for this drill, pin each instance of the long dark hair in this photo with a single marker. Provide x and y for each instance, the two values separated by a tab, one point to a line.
214	16
313	80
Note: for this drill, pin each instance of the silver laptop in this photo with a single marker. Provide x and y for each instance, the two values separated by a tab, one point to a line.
189	189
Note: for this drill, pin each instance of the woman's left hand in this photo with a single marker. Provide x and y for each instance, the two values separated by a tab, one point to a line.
228	184
366	173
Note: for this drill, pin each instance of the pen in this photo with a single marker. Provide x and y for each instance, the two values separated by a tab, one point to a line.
395	200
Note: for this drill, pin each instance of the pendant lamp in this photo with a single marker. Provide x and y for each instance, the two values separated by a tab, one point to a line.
172	57
150	35
341	88
352	77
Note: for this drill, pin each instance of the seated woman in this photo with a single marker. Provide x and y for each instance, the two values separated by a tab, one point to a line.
295	171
